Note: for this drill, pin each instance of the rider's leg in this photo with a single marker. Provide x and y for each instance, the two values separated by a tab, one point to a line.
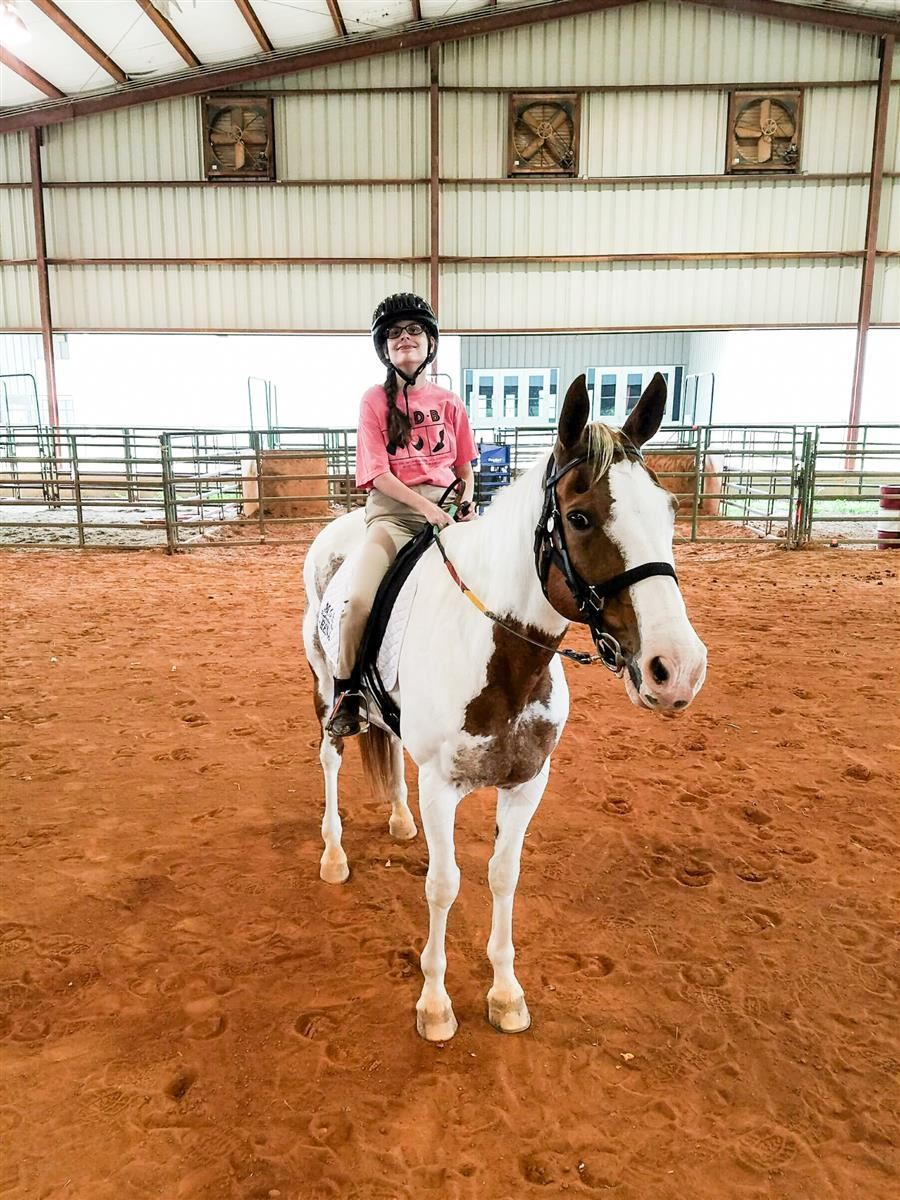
378	552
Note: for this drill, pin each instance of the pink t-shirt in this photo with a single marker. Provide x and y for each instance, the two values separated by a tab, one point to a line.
441	441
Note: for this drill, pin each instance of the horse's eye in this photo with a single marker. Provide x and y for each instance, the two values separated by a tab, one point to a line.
578	520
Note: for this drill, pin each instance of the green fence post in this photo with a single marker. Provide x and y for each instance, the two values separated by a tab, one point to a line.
698	484
76	486
170	499
254	445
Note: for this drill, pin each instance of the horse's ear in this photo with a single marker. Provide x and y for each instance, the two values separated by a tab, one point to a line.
575	412
647	416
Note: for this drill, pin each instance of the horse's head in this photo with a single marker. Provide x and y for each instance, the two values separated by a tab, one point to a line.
610	531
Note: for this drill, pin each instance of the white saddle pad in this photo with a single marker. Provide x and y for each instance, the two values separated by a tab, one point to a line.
332	608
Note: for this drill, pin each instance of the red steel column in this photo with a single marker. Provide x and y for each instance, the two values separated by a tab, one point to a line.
43	279
868	275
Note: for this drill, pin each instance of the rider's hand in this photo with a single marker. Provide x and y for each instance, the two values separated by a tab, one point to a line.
435	515
466	512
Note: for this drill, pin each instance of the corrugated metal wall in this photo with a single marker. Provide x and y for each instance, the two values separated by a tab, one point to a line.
575	353
373	127
273	298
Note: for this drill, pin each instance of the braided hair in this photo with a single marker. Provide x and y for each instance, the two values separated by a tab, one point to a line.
399	427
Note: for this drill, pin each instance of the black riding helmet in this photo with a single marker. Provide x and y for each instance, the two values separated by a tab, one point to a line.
404	306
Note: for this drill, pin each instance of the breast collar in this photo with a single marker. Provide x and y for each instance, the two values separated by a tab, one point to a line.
550	550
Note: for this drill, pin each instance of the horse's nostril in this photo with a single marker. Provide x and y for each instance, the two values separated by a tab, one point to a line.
658	671
680	704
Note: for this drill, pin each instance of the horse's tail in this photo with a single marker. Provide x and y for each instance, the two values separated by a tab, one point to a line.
375	749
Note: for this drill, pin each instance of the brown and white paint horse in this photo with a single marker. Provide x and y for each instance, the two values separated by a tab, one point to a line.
483	707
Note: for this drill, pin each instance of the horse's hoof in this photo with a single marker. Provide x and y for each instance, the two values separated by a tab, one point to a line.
334	872
509	1016
440	1028
402	829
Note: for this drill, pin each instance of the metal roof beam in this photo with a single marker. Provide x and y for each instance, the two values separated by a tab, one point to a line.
255	25
81	39
830	18
337	16
417	10
221	78
169	32
32	77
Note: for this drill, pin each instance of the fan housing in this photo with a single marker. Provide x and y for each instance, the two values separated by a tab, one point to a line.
238	141
764	131
543	134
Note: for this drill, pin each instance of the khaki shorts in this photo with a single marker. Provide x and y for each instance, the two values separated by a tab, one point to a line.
395	518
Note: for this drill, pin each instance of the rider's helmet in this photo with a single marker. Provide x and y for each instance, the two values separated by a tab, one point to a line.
404	306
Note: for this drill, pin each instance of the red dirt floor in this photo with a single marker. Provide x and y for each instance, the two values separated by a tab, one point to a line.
706	922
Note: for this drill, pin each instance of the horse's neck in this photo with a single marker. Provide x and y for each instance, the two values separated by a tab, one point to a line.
494	556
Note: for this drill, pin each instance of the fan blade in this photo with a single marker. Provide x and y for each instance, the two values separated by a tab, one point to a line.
560	118
765	112
748	130
239	155
530	121
237	120
531	149
763	149
218	138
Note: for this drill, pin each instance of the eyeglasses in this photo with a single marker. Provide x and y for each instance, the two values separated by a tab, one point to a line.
413	330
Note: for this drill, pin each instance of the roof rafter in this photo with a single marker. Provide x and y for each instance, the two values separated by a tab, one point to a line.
337	16
255	24
32	77
81	39
417	10
169	32
369	46
830	18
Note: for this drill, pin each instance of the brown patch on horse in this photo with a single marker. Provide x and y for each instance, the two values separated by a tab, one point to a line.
326	573
517	676
323	578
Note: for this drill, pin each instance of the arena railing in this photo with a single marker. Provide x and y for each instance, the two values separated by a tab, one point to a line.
131	488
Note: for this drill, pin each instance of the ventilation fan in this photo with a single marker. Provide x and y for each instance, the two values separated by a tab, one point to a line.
543	135
239	143
765	131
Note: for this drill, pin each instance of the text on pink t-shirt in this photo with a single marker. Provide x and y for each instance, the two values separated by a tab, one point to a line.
440	443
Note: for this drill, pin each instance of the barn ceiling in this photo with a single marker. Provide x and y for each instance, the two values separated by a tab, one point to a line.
56	50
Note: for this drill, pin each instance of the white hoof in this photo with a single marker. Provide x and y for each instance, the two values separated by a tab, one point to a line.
402	828
509	1016
436	1027
334	870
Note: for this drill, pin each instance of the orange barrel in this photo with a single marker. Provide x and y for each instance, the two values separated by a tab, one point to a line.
889	517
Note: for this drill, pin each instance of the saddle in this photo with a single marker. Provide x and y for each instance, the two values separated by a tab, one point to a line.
377	663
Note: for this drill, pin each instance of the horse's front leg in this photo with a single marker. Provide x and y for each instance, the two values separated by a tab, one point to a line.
516	806
437	807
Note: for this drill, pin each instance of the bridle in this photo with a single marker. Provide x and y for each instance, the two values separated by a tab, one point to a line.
550	549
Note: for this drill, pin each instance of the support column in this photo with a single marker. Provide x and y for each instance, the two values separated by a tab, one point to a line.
434	58
43	279
868	274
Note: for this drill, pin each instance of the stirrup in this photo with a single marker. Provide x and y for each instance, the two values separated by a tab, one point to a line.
352	724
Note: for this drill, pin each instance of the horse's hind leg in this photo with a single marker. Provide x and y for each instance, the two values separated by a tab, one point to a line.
507	1010
401	825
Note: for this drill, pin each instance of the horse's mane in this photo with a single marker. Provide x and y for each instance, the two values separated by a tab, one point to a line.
602	443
